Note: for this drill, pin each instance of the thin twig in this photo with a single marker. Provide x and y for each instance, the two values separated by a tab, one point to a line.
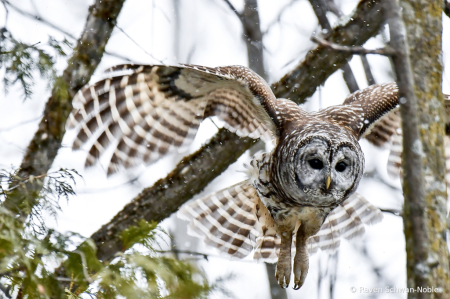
27	14
332	7
386	51
447	8
394	212
6	13
233	9
20	124
140	47
320	10
26	47
367	70
204	255
53	26
278	18
85	267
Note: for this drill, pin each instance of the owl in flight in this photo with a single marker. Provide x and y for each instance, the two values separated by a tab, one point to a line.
297	198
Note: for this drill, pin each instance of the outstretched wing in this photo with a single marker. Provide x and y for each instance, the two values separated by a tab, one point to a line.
235	221
368	110
372	113
154	109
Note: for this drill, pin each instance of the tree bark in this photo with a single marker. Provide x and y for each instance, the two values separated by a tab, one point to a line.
46	142
425	221
423	128
253	37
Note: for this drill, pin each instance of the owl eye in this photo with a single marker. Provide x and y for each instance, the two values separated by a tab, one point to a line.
316	164
341	166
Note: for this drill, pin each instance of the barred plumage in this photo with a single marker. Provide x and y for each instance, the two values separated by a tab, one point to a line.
157	109
236	222
299	196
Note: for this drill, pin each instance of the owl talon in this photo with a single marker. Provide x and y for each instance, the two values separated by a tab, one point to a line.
283	276
301	263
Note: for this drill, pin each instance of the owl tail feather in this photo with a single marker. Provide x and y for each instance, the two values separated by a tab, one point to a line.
347	221
235	221
225	219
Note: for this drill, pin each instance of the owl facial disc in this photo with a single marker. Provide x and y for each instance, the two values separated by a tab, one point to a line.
327	171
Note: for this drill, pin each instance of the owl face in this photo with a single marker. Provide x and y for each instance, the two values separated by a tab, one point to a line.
323	169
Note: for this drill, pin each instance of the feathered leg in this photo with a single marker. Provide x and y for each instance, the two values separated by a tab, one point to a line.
301	260
283	272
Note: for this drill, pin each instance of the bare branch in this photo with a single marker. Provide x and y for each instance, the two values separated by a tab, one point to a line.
331	5
276	292
140	47
447	8
38	18
320	62
53	26
253	37
386	51
367	71
320	10
394	212
227	2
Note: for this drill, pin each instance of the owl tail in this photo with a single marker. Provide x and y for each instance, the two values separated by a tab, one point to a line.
346	221
225	219
235	221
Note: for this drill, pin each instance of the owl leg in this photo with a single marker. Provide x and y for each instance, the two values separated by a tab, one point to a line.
283	272
301	260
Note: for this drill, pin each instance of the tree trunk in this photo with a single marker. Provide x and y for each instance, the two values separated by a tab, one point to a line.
427	252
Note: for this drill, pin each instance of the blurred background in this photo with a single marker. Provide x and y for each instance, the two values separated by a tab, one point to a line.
208	32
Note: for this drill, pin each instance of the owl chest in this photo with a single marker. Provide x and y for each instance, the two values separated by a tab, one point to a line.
284	213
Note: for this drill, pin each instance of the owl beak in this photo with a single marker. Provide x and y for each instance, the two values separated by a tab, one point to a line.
328	182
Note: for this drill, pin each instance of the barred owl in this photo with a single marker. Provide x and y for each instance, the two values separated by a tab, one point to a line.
297	198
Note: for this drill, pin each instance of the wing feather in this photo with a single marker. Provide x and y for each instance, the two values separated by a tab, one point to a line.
225	219
143	112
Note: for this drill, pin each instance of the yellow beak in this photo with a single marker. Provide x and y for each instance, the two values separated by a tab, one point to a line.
328	182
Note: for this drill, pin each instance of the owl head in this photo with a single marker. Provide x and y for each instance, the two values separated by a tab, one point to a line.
320	164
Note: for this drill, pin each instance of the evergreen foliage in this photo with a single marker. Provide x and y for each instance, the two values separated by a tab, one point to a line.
30	251
21	60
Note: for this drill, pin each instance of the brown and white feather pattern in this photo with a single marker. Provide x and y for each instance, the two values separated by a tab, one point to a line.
225	219
366	110
153	110
236	222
